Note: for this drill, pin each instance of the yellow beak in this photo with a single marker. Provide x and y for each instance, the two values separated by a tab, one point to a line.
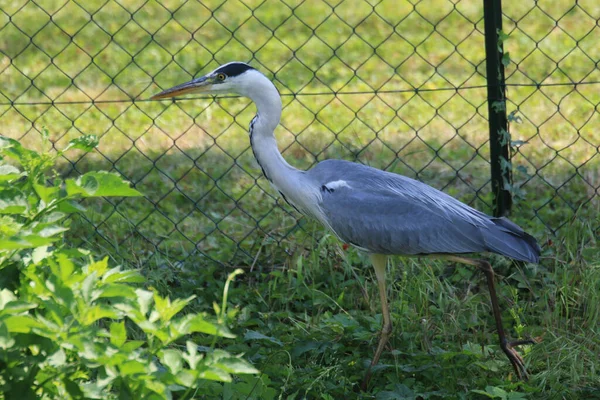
195	86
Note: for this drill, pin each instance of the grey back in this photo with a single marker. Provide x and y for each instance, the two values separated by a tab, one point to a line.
386	213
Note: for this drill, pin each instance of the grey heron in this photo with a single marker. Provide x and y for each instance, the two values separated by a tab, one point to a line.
379	212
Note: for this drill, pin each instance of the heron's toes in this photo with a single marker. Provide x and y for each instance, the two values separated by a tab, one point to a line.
520	342
515	358
517	362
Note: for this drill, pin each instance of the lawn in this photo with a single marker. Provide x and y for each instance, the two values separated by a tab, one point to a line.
391	84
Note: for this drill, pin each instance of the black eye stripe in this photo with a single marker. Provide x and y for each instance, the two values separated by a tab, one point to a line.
233	69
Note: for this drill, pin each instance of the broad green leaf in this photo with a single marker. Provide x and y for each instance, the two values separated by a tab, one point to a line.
502	36
16	307
516	396
13	201
29	159
98	184
145	299
483	392
70	207
116	275
40	253
25	242
6	296
493	392
8	226
199	324
132	367
9	173
167	309
73	388
22	323
49	327
173	360
86	143
345	321
50	230
91	351
93	390
96	312
87	286
152	329
154	316
57	359
116	290
85	187
213	374
235	365
253	335
14	149
112	355
157	387
99	267
34	348
47	193
181	326
66	267
118	334
496	391
75	253
132	345
6	341
188	378
400	392
6	142
52	217
6	169
193	357
129	308
506	59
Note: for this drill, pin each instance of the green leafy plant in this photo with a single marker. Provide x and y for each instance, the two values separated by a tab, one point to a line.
72	326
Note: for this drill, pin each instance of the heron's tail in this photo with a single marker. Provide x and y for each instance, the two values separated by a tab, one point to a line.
511	241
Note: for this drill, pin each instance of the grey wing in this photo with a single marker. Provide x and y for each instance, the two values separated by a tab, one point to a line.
391	214
391	224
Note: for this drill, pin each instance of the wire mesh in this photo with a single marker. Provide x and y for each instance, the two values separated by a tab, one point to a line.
397	85
553	85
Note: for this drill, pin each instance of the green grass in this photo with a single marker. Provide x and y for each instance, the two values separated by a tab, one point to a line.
206	200
310	324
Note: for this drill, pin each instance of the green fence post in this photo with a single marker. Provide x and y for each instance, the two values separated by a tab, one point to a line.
497	119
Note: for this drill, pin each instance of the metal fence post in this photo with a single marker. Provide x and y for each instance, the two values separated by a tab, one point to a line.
498	123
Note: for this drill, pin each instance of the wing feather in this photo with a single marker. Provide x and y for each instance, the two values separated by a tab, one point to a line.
392	214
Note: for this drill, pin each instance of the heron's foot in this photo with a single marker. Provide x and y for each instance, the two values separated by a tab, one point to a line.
365	383
515	358
386	331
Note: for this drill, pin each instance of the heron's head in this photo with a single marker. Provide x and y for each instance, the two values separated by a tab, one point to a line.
233	78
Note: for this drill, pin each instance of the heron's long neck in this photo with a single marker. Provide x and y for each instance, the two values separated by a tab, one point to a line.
262	138
294	185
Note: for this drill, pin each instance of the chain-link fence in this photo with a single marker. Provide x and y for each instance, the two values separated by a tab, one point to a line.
553	83
398	85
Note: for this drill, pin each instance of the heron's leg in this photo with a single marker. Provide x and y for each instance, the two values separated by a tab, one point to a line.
379	263
508	347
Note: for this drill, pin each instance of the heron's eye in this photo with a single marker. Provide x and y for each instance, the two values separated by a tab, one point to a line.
221	77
